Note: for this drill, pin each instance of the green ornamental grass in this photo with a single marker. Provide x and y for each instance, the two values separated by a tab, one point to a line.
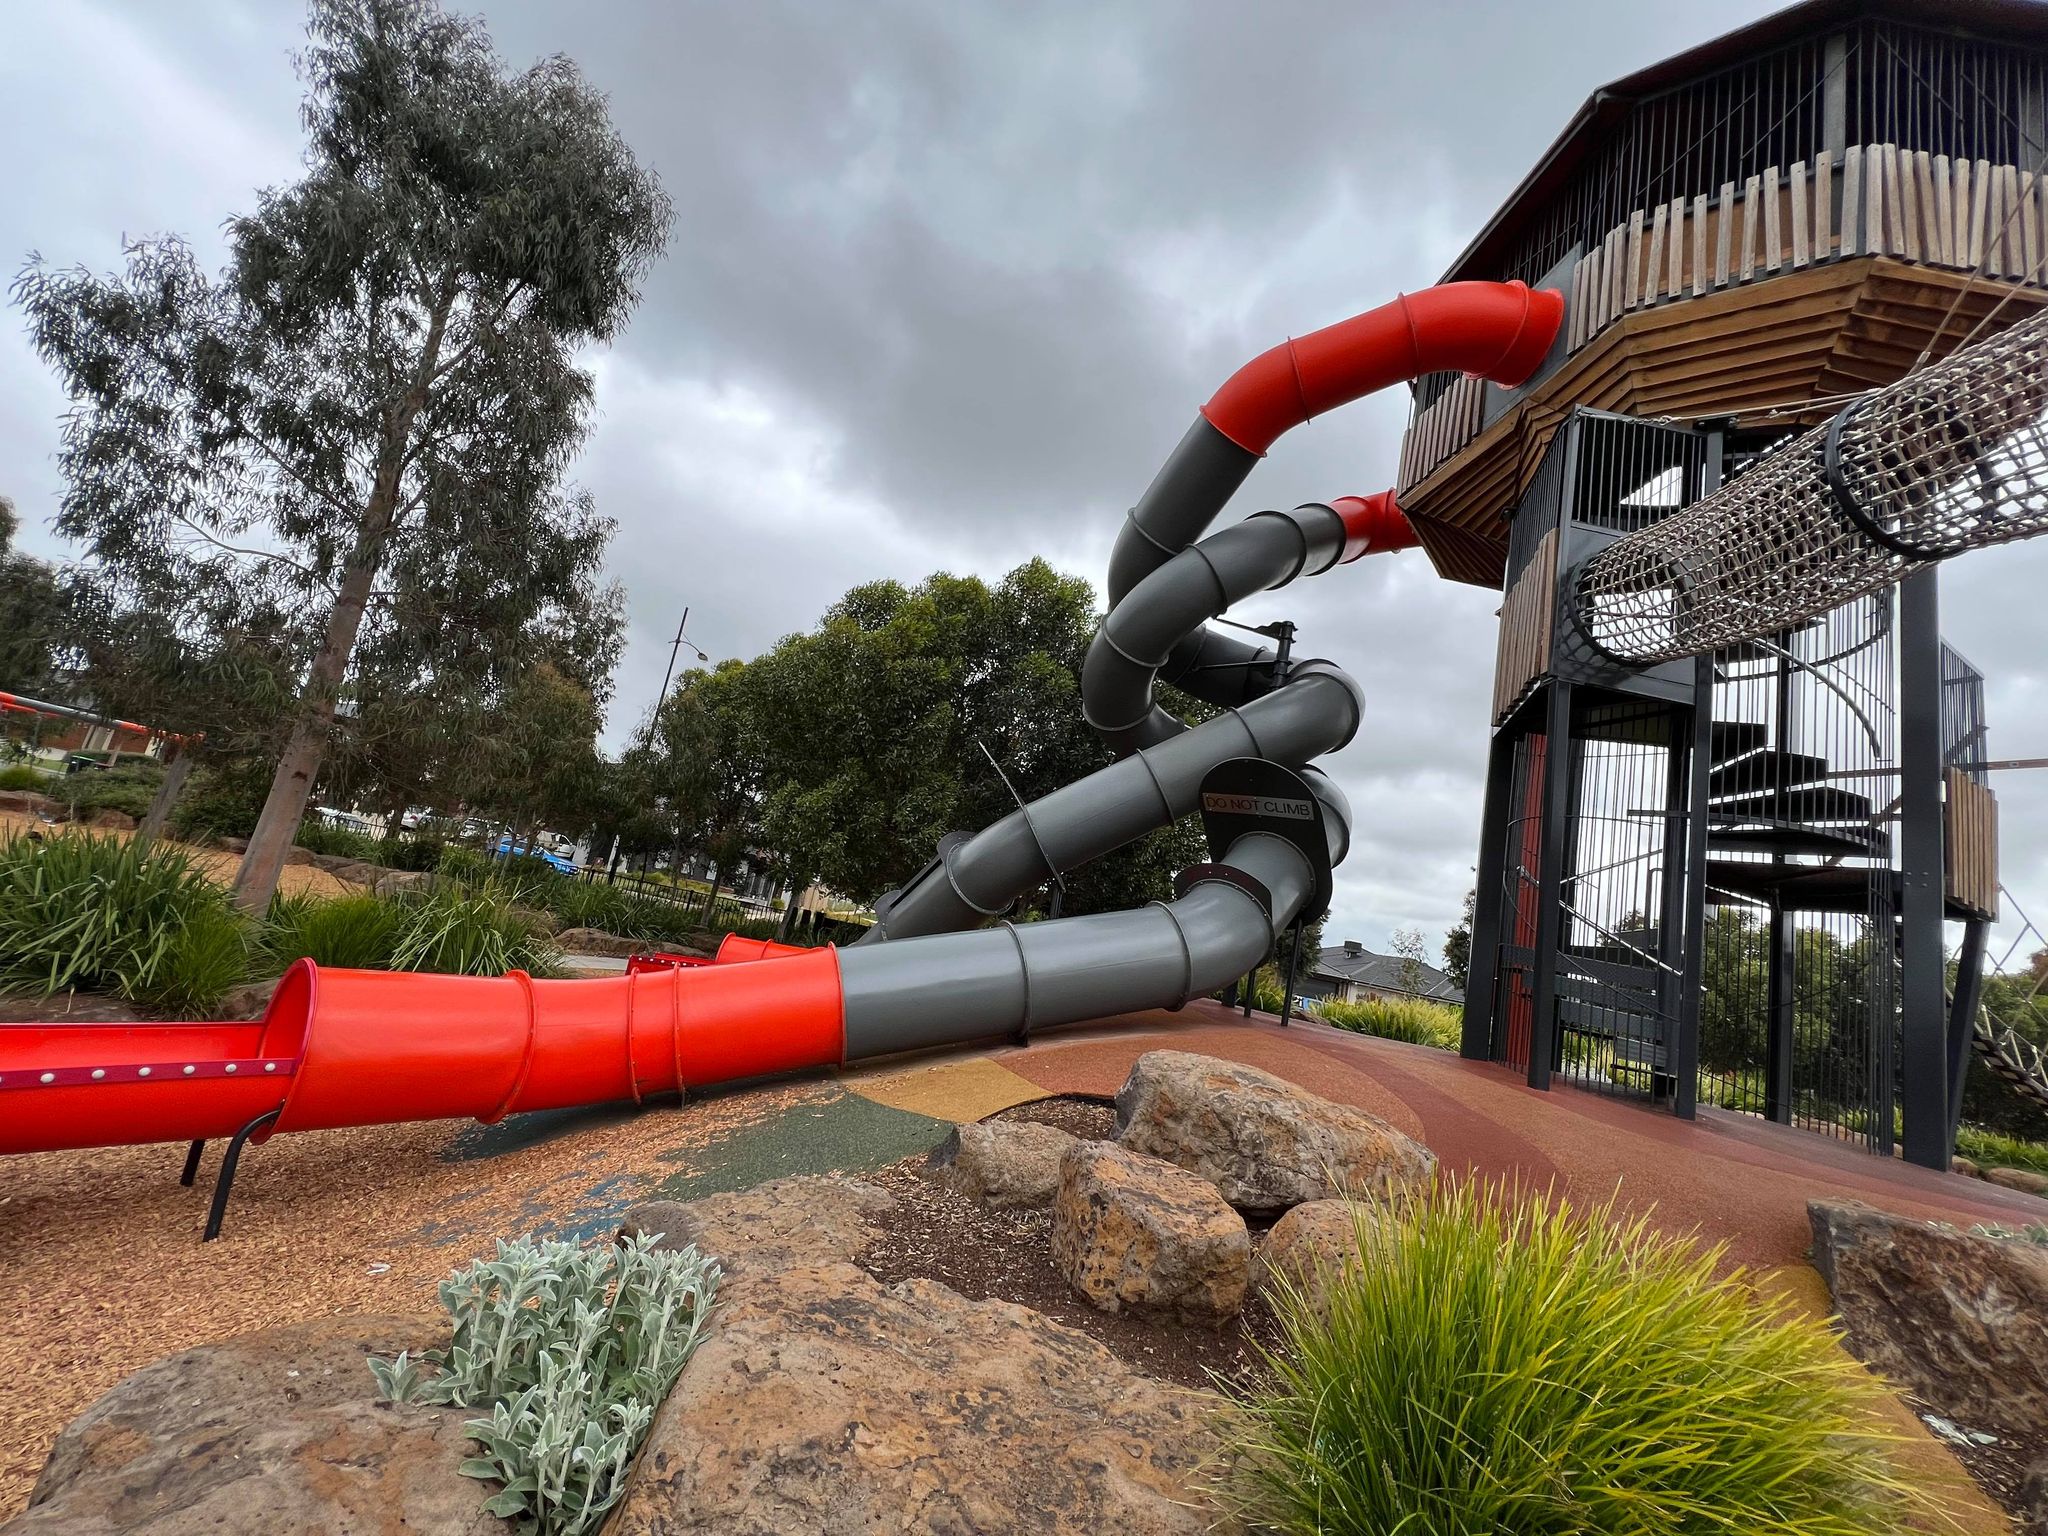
356	932
1499	1364
1397	1018
103	914
471	931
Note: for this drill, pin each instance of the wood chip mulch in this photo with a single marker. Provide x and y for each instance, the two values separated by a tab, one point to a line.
102	1270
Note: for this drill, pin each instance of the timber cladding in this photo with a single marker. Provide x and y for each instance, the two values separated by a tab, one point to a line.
1525	628
1969	845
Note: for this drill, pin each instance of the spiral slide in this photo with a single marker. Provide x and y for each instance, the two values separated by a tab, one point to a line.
341	1048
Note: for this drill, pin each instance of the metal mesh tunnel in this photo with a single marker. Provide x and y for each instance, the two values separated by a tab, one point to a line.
1952	457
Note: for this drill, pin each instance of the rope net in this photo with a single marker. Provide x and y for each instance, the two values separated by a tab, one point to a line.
1951	457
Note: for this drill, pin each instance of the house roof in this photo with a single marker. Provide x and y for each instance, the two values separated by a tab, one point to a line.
1384	973
2018	21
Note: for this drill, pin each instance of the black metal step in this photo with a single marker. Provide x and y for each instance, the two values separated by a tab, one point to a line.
1817	803
1800	887
1734	738
1763	834
1762	770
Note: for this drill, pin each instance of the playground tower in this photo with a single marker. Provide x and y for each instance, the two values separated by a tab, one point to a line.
1731	876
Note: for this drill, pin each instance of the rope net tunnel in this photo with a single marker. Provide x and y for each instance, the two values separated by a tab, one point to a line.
1950	458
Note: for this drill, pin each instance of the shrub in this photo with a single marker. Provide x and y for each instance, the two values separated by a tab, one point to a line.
414	853
1398	1018
101	914
339	842
357	932
465	866
572	1350
1500	1364
127	789
25	776
471	931
222	799
591	904
1989	1149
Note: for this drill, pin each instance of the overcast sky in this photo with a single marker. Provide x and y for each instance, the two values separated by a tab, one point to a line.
947	282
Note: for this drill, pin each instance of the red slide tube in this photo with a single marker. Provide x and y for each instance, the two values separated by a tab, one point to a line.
341	1048
1373	525
1498	331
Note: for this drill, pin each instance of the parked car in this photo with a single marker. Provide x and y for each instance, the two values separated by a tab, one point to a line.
505	848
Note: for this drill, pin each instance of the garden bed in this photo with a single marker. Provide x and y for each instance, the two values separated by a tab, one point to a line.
991	1255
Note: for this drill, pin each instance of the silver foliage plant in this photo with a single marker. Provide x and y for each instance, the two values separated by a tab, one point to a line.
571	1349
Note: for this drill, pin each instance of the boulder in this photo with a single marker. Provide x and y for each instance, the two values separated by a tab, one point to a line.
595	941
537	920
249	1000
1309	1245
2033	1499
822	1401
2025	1180
1265	1143
1134	1233
232	844
1960	1319
107	819
297	855
1008	1165
26	802
396	882
267	1432
358	872
1965	1167
807	1219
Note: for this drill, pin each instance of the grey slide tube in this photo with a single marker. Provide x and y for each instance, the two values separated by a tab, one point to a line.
1153	625
1318	711
1014	978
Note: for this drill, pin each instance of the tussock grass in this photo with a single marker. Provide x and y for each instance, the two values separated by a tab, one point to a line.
1498	1364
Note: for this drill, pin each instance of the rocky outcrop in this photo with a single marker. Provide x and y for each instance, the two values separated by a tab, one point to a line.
1262	1141
268	1432
825	1402
1309	1246
1134	1233
1961	1320
1007	1165
808	1219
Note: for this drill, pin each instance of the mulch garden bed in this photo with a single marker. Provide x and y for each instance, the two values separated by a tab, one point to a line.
935	1234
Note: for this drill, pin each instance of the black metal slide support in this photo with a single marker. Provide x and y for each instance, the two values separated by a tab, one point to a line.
224	1186
1685	1049
1556	833
192	1155
1923	1012
1477	1043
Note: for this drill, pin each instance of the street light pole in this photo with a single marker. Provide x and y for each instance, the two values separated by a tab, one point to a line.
674	649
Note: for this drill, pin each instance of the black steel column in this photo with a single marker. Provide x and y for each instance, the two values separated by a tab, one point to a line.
1685	886
1483	967
1962	1018
1781	956
1923	1021
1556	835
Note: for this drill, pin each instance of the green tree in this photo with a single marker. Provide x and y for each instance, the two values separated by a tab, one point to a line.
33	618
1408	944
381	393
1458	946
703	766
885	728
539	757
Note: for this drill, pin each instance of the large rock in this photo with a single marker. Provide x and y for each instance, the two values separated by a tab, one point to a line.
250	1000
1265	1143
1309	1246
1008	1165
2025	1180
824	1402
595	941
26	802
396	882
1960	1319
107	819
268	1432
1136	1234
806	1219
296	856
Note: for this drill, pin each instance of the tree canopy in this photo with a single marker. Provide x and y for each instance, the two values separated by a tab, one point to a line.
376	401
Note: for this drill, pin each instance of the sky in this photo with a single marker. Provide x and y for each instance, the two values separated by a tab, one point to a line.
946	284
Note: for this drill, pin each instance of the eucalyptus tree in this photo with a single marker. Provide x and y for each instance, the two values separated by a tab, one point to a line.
385	372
